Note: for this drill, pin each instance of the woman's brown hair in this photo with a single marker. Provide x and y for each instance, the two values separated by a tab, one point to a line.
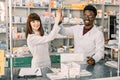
31	17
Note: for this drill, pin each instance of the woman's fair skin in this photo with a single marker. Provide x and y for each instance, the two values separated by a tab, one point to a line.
88	18
38	42
35	24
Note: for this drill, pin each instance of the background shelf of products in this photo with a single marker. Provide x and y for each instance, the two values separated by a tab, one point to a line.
113	55
2	26
72	10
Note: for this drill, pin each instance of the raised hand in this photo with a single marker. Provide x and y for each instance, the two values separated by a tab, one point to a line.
58	17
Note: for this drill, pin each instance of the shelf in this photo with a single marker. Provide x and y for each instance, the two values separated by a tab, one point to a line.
97	4
2	32
30	7
70	24
39	7
111	5
101	18
25	23
106	4
19	39
21	7
112	46
2	48
67	9
19	23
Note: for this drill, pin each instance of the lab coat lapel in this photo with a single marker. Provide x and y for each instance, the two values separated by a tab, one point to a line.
89	32
81	32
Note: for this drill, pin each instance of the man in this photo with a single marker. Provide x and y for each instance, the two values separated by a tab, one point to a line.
87	38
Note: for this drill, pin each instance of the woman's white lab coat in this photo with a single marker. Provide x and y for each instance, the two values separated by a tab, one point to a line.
38	46
90	44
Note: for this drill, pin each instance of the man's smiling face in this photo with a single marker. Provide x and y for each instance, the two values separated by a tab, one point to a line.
88	18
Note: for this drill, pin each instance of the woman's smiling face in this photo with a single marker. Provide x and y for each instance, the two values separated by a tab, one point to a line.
35	24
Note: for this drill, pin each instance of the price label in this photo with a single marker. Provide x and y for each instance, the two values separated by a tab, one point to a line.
2	62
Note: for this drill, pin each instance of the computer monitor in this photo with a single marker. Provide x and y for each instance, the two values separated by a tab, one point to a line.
111	27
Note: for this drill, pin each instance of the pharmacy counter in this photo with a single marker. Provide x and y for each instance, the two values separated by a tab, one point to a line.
99	70
110	78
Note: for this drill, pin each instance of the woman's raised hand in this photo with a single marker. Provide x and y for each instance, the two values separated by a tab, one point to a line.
58	16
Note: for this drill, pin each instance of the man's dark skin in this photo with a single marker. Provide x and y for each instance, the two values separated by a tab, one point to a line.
88	19
90	60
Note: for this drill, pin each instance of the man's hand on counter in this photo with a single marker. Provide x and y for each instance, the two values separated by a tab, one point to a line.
90	60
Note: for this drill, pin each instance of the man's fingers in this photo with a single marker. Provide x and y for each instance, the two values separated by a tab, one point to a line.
91	61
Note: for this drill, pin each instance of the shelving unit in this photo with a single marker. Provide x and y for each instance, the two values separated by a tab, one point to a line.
19	20
115	56
104	11
70	13
2	26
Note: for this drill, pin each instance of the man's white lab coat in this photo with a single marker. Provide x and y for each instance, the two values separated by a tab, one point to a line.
38	46
89	44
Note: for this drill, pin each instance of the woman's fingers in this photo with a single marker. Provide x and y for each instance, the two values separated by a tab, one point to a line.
58	16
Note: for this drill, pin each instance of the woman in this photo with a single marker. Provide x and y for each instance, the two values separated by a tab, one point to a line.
37	42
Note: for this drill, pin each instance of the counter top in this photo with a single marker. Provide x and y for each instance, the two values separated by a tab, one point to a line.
99	70
111	78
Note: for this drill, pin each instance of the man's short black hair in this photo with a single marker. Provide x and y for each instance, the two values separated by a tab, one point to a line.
91	8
